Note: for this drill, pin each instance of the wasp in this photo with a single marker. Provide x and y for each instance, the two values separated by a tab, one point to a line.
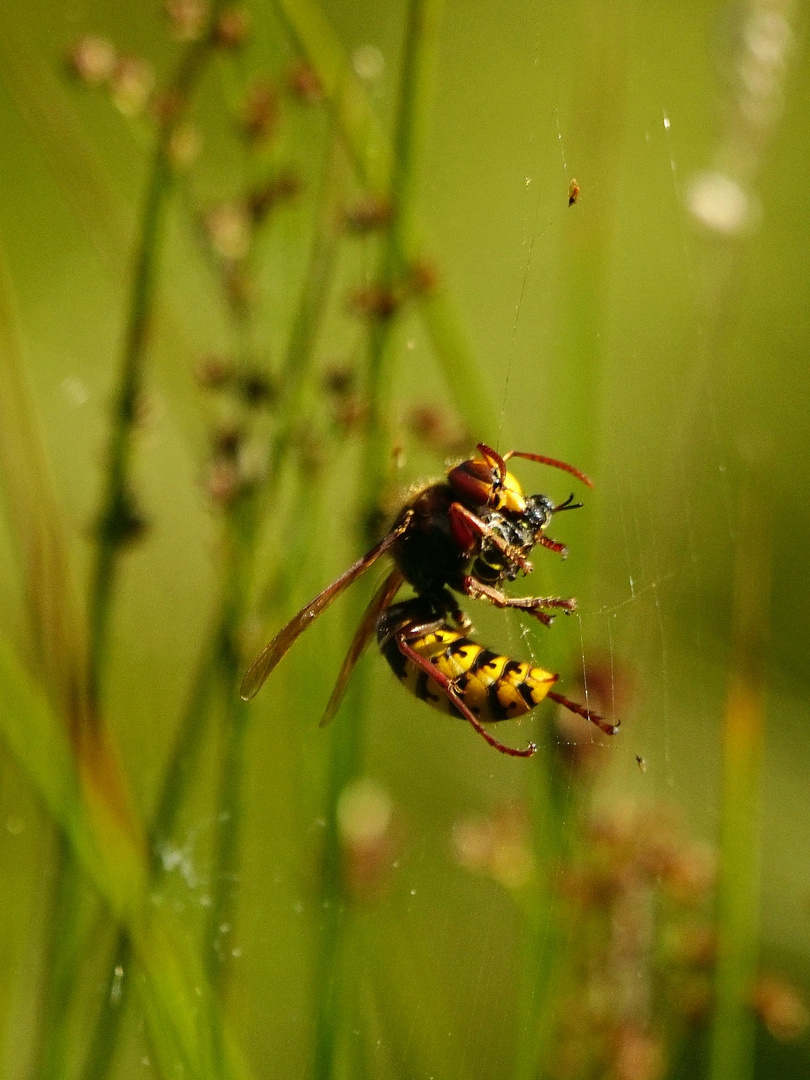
469	533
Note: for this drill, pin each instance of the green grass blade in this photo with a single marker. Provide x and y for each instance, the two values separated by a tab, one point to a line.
733	1024
376	168
115	864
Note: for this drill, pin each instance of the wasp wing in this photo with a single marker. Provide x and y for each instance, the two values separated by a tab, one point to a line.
363	635
273	652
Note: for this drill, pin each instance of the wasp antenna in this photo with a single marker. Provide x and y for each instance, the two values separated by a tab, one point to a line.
555	463
569	504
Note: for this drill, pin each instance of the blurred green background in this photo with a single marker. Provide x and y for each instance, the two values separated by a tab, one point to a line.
655	334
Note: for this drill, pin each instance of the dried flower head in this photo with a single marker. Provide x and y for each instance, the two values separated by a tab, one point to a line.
284	185
438	428
131	85
124	524
227	441
365	817
214	372
187	18
232	28
230	230
497	845
257	389
375	302
302	81
92	60
260	112
367	213
781	1008
423	278
339	380
224	481
184	145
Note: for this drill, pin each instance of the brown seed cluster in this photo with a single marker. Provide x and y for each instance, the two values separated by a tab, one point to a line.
640	963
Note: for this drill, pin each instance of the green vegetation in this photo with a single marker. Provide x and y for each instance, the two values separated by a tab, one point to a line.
264	266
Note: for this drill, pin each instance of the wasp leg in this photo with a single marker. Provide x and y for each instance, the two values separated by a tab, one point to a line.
588	714
494	458
462	620
533	605
447	687
553	545
467	528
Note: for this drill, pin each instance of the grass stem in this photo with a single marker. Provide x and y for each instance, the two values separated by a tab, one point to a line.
333	985
733	1023
118	515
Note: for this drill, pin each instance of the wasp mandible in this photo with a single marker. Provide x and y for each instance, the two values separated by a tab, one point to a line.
468	533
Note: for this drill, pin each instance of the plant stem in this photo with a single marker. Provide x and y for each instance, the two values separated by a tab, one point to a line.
117	510
309	313
116	499
175	783
421	40
333	984
242	529
219	665
375	168
733	1025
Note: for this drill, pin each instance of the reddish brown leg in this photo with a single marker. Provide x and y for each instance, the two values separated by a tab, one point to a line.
467	528
553	545
494	458
447	687
477	590
580	710
461	619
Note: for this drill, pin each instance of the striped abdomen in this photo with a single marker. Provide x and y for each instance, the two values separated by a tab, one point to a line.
492	687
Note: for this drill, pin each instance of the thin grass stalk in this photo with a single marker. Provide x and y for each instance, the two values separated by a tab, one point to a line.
180	769
53	1050
555	827
113	521
333	986
56	640
542	933
733	1021
171	985
331	978
116	508
54	633
56	651
419	52
218	652
375	168
309	313
242	530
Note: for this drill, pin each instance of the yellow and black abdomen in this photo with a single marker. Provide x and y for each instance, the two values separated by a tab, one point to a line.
492	687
